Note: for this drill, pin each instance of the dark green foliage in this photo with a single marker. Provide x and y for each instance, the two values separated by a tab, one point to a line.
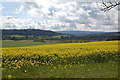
29	32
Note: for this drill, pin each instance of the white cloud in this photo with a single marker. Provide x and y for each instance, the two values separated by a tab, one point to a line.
9	22
18	10
56	0
1	7
55	15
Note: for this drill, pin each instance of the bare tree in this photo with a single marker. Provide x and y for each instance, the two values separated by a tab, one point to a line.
106	6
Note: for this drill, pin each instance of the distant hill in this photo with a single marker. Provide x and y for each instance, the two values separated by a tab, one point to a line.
80	32
92	35
7	34
29	32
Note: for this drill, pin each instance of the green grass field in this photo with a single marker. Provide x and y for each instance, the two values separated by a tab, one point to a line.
22	43
91	70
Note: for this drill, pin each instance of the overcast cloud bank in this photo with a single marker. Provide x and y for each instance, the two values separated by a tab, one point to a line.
57	16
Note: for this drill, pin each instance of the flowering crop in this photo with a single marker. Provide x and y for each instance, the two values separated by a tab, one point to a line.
67	54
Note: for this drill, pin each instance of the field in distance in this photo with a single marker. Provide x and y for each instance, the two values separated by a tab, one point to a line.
22	43
66	60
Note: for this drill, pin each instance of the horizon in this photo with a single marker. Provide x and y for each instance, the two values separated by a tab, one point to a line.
60	31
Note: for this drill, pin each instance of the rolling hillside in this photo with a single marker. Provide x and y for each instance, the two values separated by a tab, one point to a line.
29	32
92	35
32	34
80	32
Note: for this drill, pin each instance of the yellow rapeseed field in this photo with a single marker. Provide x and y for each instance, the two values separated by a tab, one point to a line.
68	53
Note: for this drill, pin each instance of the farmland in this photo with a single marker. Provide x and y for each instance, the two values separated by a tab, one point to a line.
22	43
65	60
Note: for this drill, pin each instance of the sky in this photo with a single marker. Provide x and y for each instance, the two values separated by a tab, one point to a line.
57	16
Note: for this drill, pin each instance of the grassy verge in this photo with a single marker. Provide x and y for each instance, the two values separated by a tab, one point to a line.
91	70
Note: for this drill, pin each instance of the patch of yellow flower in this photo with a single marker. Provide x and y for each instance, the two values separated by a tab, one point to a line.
68	53
9	76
